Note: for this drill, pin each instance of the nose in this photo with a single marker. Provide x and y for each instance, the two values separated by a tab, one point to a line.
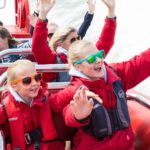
33	82
99	60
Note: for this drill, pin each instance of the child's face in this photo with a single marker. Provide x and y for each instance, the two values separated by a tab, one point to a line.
93	70
27	88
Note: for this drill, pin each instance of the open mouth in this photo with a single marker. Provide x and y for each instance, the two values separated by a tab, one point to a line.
99	68
34	90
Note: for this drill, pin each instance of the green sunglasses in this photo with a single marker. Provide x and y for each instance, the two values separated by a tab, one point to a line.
92	58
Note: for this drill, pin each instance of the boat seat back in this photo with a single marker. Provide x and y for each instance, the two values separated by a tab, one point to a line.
140	121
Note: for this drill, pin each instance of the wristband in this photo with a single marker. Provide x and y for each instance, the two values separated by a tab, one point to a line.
43	20
113	18
84	120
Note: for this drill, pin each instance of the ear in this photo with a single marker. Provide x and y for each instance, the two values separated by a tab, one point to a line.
78	67
59	43
14	86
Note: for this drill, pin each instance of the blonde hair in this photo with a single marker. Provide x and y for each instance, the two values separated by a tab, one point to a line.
52	25
60	35
11	71
76	49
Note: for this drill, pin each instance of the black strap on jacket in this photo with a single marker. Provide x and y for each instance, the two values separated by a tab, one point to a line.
7	137
34	137
105	122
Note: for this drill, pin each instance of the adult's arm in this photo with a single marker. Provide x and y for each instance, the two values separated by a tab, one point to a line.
87	19
85	24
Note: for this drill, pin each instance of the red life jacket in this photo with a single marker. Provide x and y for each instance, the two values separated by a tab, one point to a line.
16	123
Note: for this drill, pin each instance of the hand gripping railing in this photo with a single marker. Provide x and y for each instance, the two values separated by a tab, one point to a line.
42	68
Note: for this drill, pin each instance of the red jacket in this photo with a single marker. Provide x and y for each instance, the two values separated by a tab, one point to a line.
44	55
24	119
131	73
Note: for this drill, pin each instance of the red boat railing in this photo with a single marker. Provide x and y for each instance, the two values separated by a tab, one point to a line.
21	29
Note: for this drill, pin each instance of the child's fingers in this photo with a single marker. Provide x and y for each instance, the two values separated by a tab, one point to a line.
76	96
91	102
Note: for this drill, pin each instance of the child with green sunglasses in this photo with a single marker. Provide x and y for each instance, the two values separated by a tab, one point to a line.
105	125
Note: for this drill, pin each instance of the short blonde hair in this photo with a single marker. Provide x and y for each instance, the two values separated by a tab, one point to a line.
76	49
60	35
11	71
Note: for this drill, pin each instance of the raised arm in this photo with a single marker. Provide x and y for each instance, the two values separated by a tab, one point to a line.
106	39
87	19
40	48
135	70
41	51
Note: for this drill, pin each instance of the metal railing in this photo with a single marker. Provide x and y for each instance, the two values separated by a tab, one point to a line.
39	68
42	68
12	51
139	98
52	68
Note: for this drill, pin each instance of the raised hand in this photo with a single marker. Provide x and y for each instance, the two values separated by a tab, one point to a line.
45	6
91	6
80	105
111	7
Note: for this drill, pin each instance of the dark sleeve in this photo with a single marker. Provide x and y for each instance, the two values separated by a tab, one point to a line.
31	30
85	25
